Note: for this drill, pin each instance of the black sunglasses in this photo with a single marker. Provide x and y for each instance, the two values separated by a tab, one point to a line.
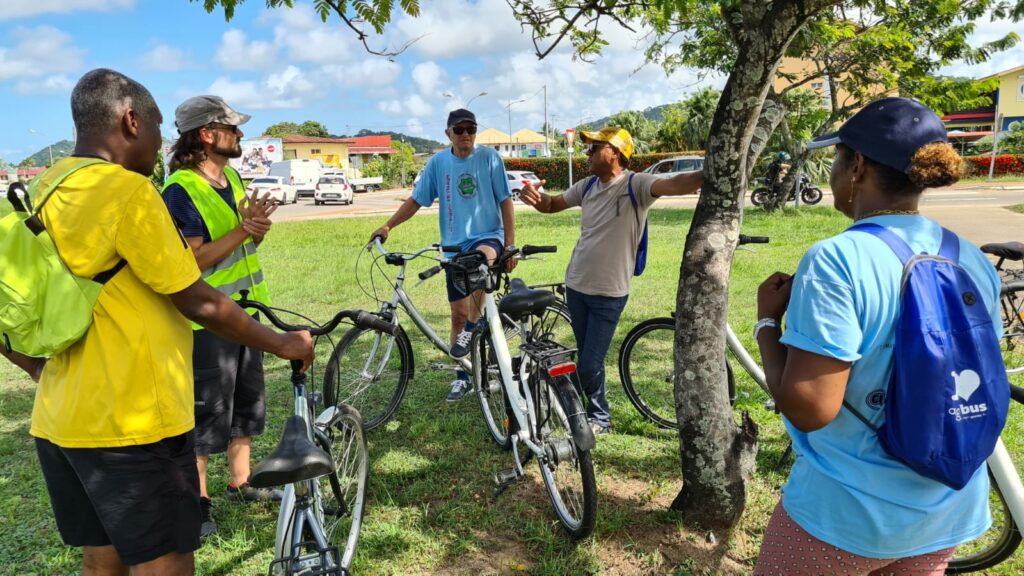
460	130
594	147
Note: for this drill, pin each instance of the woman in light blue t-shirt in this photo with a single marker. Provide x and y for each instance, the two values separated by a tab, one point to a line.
849	507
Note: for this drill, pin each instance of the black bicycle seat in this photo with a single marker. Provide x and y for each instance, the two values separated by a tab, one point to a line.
1008	250
295	459
522	301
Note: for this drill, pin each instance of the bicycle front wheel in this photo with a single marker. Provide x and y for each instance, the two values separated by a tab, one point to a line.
994	546
568	471
647	371
343	492
487	383
370	371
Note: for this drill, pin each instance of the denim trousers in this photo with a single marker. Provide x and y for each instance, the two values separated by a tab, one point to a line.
594	319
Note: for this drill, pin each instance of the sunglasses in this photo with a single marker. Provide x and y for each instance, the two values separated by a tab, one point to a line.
232	129
460	130
594	147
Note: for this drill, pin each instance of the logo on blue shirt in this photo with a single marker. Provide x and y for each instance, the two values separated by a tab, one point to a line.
467	185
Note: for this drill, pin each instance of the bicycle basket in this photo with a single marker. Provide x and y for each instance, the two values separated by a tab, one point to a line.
466	274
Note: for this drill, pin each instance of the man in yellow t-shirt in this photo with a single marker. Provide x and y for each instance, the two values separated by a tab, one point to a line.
113	415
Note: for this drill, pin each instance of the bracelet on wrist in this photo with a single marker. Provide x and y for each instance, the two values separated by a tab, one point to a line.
765	323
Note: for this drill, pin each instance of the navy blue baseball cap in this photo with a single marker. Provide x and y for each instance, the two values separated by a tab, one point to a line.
889	131
459	116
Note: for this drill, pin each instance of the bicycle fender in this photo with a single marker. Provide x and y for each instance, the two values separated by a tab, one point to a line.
582	434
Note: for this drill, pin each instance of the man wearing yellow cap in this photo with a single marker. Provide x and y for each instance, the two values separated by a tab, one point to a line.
613	227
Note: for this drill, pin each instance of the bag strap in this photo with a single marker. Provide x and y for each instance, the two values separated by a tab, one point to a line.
35	222
54	182
860	416
950	248
895	243
590	184
632	198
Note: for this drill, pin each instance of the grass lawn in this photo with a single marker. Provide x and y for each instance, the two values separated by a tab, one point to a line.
430	508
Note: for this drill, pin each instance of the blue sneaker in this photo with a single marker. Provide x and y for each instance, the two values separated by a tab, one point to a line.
459	389
461	347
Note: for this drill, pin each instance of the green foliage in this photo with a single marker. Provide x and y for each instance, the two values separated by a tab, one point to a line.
29	162
307	128
1010	141
393	167
159	171
639	127
687	124
419	145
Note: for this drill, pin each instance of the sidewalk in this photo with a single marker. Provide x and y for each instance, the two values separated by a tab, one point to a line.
979	224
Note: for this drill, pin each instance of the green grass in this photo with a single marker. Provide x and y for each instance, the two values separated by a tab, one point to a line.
430	508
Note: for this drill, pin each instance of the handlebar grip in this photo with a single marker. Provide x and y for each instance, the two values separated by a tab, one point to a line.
296	366
744	239
527	250
365	319
451	248
429	272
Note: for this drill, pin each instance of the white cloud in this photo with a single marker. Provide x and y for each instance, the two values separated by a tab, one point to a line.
50	85
453	28
289	88
165	58
392	107
306	38
15	9
414	127
38	52
370	72
427	75
236	53
417	106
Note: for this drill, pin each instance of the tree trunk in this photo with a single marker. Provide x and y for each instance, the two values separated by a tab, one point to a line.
717	455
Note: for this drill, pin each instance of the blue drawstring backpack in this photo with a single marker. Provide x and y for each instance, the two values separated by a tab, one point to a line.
948	395
641	248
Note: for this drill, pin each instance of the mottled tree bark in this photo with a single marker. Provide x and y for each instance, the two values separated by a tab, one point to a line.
717	455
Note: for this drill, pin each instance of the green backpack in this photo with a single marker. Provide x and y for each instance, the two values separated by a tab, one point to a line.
44	308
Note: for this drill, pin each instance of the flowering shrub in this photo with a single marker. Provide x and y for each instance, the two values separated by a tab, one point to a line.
1005	164
556	170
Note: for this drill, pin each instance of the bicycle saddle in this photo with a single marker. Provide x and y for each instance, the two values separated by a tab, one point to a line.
522	301
295	459
1008	250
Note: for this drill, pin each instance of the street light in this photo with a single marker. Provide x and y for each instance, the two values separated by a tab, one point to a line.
447	94
49	145
509	106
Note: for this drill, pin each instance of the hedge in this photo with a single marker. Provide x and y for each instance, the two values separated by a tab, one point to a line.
556	170
1005	164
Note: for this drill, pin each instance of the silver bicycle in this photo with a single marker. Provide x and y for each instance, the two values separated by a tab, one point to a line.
323	463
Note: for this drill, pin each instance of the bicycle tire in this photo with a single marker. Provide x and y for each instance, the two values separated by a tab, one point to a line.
486	381
343	492
570	483
347	380
647	380
1011	301
996	545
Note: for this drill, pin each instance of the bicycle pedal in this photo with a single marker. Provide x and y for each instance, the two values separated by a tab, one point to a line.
505	478
443	366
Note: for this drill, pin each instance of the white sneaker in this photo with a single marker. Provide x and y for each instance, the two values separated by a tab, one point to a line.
459	389
461	347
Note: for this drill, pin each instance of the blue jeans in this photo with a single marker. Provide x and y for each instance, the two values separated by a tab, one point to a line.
594	319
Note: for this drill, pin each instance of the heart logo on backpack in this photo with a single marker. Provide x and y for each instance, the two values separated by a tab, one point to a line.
966	383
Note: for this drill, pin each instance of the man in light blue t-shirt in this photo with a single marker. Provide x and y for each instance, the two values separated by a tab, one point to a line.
475	213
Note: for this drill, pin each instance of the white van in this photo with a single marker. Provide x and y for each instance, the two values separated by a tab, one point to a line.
301	174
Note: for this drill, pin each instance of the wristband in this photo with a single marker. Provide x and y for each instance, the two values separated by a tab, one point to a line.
764	323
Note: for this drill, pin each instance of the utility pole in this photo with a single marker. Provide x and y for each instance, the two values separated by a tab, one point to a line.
401	150
547	128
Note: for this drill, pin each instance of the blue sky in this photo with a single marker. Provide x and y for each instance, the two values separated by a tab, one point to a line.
283	65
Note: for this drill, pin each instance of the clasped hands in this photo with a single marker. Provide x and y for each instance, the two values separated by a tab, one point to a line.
255	212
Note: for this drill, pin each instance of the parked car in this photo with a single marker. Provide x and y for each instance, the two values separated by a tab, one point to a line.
367	184
671	166
332	188
518	178
302	174
278	189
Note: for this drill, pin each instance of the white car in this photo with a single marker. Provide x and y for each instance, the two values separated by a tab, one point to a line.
518	178
276	187
332	188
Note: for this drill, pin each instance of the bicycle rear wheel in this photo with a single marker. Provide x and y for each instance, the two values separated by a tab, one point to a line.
994	546
568	472
370	371
1012	342
343	492
647	371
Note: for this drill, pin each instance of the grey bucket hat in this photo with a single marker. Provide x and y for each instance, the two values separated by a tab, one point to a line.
202	110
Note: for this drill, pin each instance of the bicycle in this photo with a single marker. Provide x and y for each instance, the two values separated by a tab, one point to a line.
372	372
648	383
323	463
1011	300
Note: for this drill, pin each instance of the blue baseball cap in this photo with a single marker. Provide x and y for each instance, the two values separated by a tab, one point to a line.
889	131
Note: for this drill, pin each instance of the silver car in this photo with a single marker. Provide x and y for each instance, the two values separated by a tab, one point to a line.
518	178
671	166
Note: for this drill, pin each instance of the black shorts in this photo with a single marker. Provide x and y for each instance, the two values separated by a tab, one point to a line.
143	500
230	392
455	292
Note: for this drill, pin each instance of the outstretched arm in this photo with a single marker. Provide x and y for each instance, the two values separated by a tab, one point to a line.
546	203
678	185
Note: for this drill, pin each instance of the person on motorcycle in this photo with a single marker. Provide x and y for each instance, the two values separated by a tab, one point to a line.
777	170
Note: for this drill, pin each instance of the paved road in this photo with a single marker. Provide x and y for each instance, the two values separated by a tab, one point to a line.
972	210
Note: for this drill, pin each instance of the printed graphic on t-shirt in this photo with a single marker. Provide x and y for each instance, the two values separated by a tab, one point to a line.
467	185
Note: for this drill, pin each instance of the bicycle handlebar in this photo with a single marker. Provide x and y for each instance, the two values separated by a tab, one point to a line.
744	239
360	318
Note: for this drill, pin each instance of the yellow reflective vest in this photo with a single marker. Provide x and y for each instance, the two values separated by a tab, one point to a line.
240	270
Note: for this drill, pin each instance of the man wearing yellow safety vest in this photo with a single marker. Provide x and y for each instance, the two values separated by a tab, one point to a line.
207	201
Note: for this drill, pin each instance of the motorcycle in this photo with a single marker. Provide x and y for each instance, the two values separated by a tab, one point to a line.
809	193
